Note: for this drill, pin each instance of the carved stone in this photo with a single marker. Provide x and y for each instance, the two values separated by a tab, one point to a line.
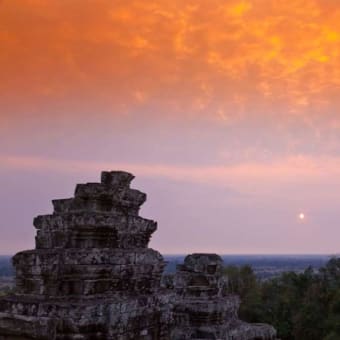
204	309
92	276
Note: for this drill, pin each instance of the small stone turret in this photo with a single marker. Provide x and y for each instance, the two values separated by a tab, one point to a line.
203	308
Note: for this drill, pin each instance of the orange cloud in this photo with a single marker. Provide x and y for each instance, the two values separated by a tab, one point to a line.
214	59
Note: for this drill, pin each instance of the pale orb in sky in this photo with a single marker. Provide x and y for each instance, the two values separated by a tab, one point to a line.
302	216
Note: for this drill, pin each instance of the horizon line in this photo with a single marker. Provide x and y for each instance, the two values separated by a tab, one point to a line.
235	254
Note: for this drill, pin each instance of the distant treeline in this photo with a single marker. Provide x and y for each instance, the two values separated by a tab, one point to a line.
301	306
6	268
260	263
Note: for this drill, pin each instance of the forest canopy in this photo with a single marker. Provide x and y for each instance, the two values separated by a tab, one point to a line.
301	306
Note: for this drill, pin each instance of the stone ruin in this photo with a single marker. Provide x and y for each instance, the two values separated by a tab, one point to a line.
204	309
92	276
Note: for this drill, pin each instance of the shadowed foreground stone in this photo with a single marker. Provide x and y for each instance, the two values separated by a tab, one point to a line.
92	276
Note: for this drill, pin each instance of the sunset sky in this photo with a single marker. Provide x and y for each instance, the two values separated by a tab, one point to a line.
227	112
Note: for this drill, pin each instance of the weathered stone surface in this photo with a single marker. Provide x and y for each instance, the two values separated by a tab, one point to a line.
203	309
92	276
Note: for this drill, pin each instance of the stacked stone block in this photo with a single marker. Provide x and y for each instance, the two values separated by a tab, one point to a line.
92	275
203	307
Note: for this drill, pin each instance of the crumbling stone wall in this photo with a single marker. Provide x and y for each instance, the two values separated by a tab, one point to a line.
92	276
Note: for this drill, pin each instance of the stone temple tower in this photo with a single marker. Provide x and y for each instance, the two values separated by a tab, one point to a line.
203	308
92	275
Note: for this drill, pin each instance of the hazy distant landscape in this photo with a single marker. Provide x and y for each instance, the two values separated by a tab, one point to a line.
264	266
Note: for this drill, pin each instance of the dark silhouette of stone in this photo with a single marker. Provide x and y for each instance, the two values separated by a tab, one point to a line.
203	309
92	276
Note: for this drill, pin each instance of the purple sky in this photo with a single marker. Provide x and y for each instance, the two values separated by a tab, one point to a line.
211	188
227	113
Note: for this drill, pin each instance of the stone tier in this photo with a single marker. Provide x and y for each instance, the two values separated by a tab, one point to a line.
139	317
198	312
87	272
233	330
200	276
113	195
93	230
